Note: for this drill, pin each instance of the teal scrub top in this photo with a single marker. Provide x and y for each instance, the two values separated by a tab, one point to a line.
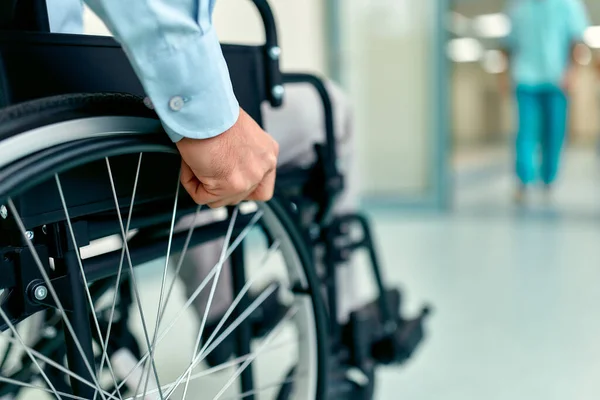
542	35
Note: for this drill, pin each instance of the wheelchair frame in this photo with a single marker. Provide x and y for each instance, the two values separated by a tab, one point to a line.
37	64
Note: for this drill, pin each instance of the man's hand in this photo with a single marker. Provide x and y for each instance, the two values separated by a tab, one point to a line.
237	165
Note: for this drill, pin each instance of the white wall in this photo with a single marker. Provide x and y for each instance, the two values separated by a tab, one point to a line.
92	25
300	28
480	113
585	106
467	105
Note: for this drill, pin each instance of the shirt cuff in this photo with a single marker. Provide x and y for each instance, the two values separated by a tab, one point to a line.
189	87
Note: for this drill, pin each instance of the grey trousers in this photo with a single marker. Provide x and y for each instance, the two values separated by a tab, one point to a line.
296	126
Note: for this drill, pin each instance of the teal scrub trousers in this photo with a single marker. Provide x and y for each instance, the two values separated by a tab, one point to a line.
542	126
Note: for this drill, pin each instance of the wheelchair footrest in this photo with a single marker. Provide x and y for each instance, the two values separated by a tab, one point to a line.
348	381
397	346
372	339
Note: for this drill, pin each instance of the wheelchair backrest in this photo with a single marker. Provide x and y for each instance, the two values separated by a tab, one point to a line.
35	63
29	15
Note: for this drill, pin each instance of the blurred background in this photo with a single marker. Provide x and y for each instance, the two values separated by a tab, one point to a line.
514	287
484	119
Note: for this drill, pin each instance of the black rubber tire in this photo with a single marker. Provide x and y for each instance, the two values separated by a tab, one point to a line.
38	113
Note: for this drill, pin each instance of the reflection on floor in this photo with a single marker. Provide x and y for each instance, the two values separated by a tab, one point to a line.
515	291
472	164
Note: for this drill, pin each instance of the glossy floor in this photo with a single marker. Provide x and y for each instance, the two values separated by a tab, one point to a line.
515	291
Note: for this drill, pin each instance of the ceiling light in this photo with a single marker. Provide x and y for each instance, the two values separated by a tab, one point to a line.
491	25
591	37
464	50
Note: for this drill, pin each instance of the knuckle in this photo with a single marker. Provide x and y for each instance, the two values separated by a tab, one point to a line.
266	197
237	188
256	175
265	194
239	184
273	161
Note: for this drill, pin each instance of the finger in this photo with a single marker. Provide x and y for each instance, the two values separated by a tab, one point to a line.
194	187
232	200
264	191
188	179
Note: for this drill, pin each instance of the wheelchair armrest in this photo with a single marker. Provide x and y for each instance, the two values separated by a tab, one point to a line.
271	53
329	181
319	85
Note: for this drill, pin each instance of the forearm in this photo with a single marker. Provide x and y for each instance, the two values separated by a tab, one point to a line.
178	59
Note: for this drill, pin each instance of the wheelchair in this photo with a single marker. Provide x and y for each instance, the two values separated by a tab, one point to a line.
89	202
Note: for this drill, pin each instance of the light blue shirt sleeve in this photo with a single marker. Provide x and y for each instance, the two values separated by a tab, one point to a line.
175	52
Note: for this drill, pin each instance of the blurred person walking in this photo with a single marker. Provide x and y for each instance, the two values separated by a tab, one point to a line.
540	48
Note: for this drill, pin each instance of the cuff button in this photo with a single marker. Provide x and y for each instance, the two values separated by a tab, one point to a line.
176	103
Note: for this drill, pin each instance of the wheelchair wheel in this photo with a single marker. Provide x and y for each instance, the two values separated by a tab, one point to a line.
94	231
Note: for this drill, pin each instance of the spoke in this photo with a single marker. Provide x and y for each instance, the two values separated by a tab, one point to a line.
26	348
53	293
240	295
140	380
276	331
31	386
162	288
56	365
175	275
212	292
85	282
253	306
196	293
218	368
119	272
180	262
132	274
233	362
